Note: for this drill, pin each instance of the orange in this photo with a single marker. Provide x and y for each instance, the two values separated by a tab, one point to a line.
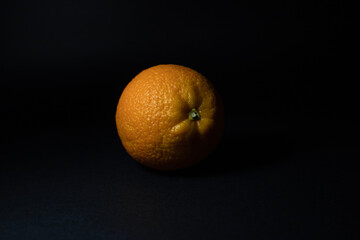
169	117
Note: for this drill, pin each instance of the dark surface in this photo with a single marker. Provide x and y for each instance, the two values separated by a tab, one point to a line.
286	168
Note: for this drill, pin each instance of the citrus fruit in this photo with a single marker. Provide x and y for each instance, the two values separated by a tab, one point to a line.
169	117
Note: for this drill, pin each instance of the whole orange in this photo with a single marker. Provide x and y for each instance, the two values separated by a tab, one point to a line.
169	117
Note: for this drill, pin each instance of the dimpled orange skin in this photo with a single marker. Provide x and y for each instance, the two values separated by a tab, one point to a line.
153	121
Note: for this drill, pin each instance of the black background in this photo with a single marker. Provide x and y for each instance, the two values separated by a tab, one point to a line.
286	168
